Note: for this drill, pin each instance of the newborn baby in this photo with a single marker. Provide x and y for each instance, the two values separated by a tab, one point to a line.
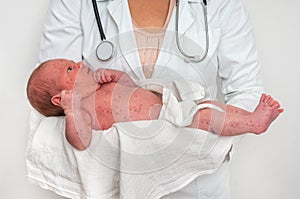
97	100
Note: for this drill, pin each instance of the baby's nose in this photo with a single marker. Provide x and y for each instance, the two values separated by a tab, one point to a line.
79	64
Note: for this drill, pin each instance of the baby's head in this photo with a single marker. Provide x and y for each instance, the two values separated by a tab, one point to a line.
50	78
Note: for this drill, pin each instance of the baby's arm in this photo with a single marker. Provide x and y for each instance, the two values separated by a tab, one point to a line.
78	121
108	75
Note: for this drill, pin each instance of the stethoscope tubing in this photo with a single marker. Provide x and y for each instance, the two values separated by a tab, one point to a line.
193	58
98	20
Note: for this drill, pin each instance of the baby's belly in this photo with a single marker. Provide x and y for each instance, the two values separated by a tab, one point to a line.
118	103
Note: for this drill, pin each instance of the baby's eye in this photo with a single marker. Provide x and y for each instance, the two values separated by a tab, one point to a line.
69	69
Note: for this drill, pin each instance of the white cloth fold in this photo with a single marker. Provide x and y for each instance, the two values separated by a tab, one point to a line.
142	159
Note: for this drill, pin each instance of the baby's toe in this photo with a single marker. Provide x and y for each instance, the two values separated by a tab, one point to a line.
268	98
263	98
276	105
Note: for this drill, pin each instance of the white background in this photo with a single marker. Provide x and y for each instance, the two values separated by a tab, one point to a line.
263	167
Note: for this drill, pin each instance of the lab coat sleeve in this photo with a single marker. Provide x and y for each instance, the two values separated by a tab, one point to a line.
62	36
239	67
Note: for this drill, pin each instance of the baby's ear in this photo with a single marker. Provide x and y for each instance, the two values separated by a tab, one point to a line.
56	99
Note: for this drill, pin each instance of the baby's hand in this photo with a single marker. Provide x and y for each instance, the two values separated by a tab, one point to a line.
108	75
70	100
104	76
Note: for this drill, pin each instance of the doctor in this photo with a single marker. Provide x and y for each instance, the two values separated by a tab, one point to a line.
143	33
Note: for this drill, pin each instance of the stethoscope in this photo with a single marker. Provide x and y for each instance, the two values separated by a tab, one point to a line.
193	58
105	49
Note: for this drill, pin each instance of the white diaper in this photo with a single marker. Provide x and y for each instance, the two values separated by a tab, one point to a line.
180	113
179	100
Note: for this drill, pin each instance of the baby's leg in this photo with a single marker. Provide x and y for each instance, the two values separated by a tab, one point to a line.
222	123
236	122
227	107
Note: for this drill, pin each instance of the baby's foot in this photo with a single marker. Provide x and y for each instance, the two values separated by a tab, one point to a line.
265	113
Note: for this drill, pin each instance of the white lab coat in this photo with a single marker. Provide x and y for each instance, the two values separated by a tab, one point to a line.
71	32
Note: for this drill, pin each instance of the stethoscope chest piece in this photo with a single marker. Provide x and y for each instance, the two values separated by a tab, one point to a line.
105	50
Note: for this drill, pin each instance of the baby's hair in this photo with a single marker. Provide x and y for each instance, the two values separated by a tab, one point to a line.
40	90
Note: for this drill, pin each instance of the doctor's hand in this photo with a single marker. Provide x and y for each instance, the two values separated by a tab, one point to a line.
103	76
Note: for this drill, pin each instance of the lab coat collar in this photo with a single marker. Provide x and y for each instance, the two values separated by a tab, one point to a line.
119	11
186	16
115	10
186	20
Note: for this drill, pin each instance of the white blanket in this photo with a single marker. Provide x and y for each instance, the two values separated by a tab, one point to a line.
143	159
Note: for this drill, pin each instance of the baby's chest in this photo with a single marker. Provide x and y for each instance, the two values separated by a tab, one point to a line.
103	110
99	108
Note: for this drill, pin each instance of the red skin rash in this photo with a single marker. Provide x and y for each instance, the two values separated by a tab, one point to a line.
114	102
235	121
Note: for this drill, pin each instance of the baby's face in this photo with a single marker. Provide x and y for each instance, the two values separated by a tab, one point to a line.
72	76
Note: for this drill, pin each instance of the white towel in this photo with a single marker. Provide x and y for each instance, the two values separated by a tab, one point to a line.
142	159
